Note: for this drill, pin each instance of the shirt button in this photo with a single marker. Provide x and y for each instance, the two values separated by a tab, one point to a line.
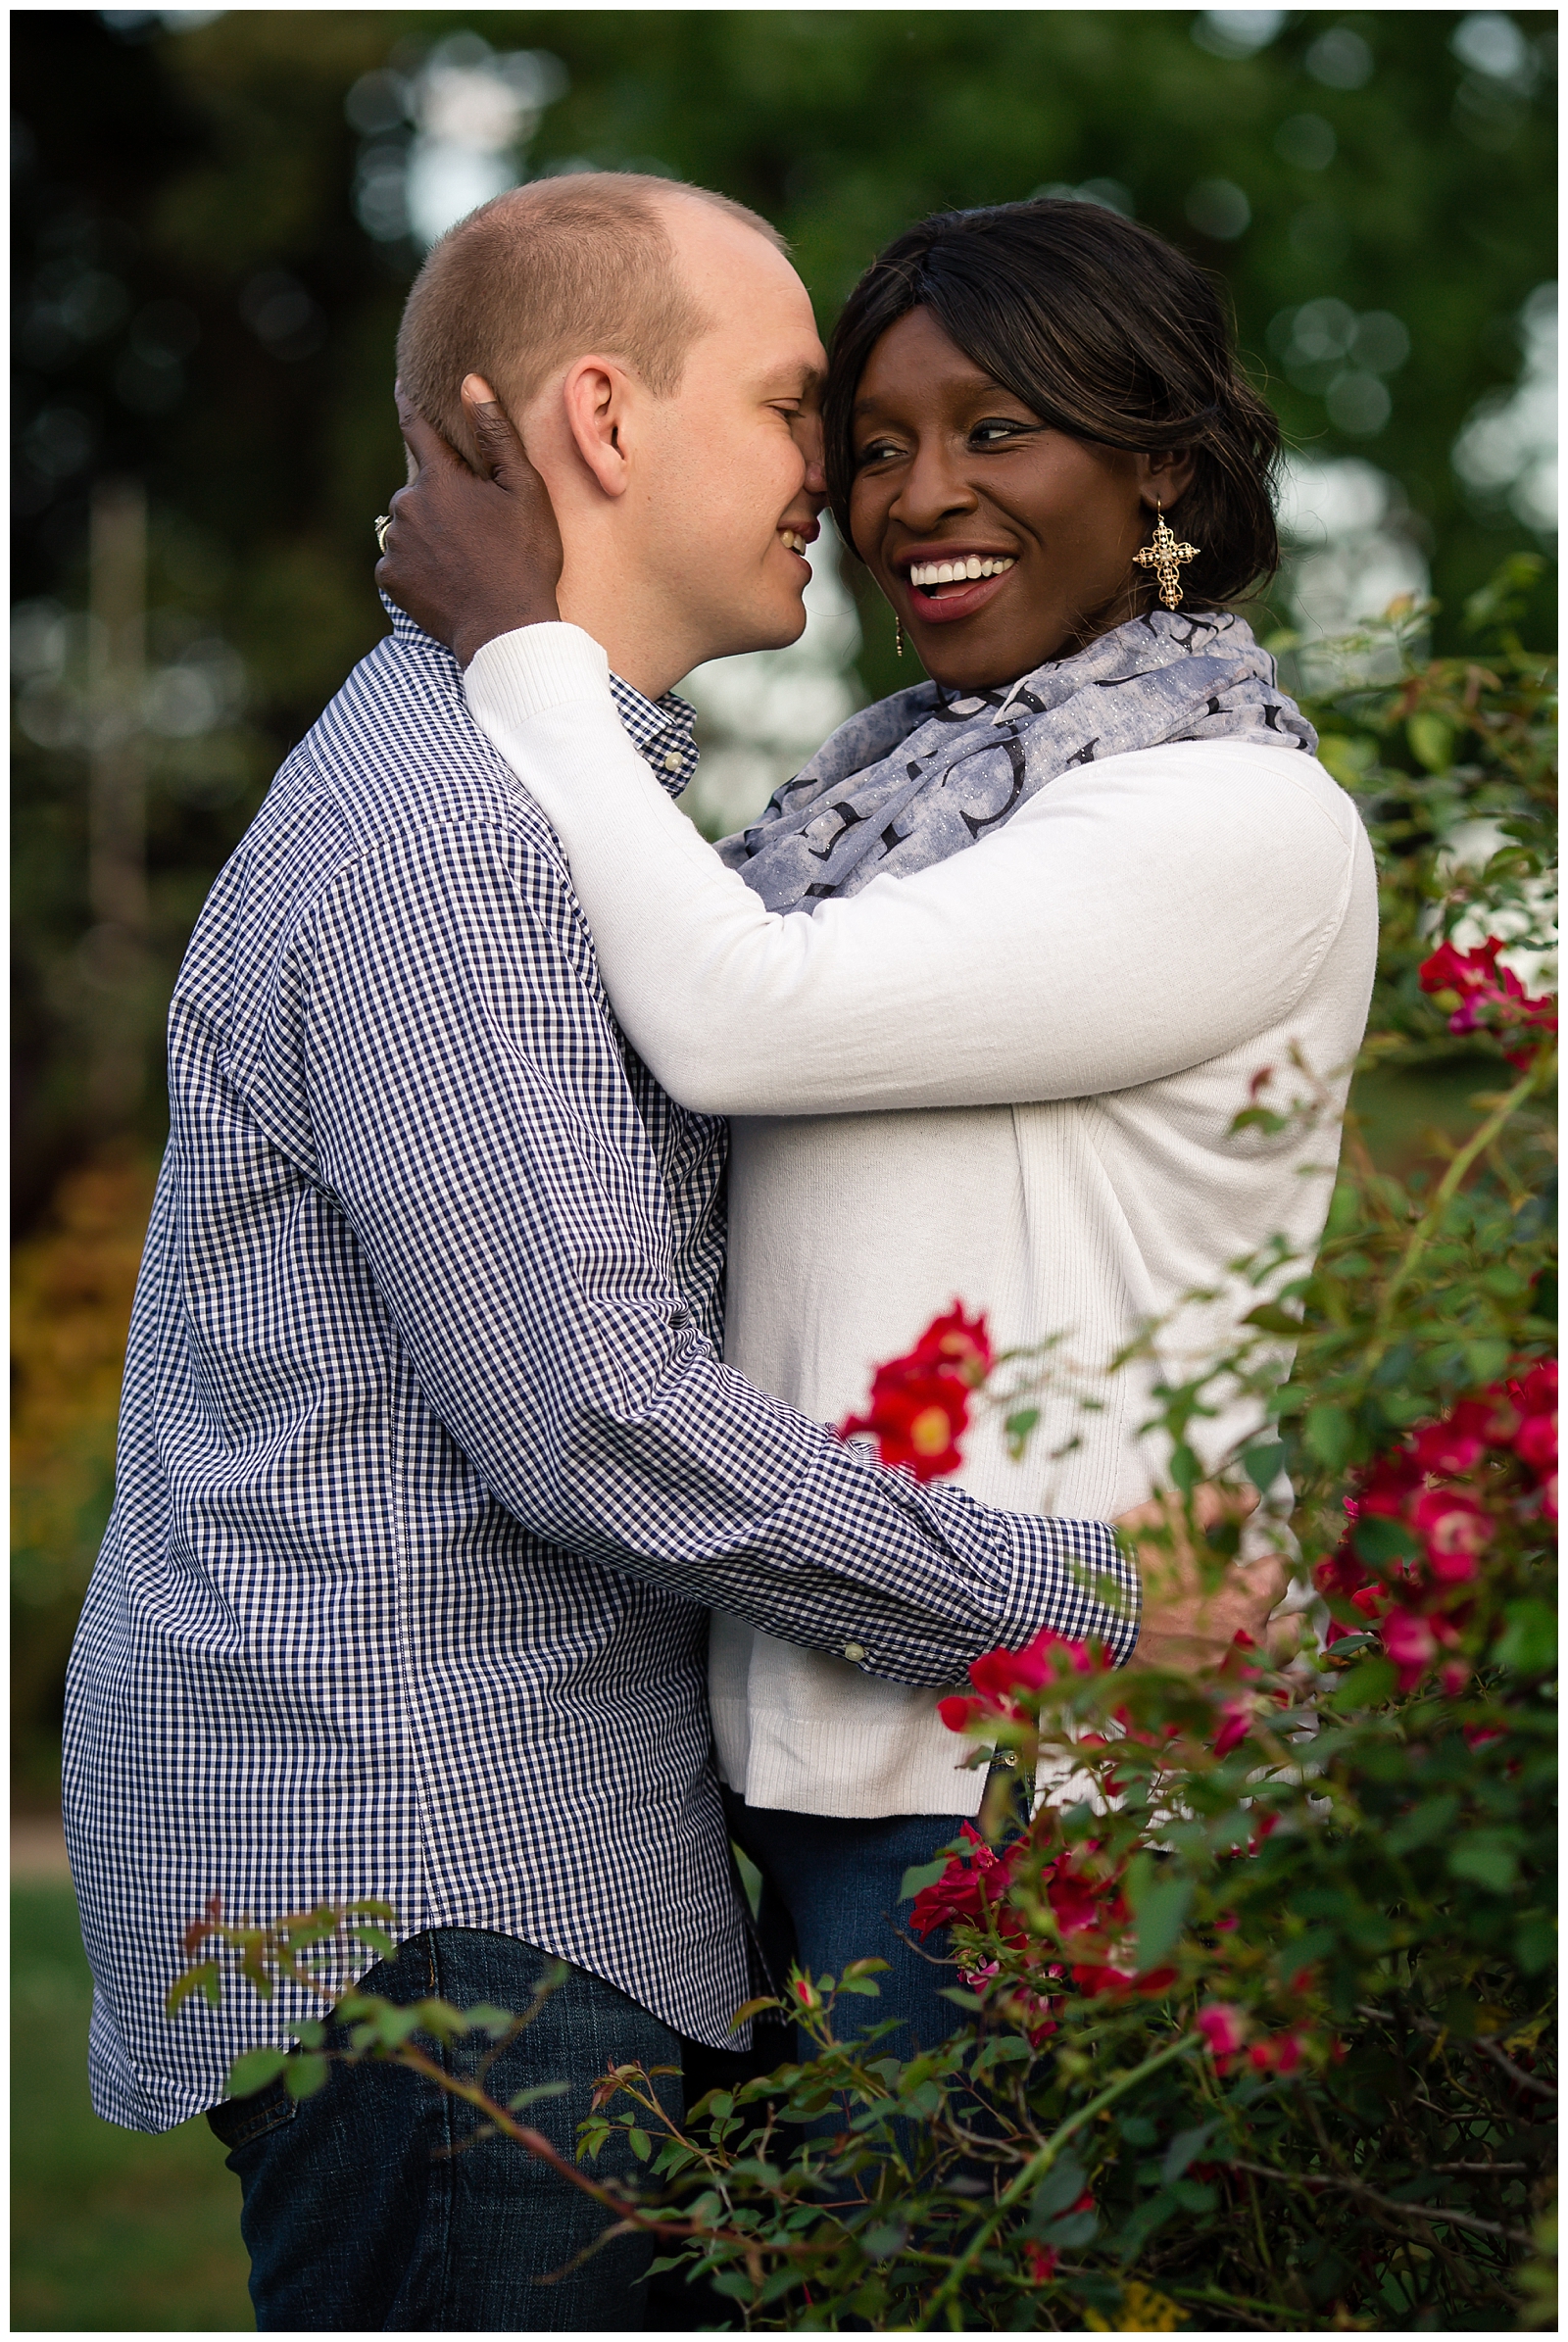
855	1650
672	760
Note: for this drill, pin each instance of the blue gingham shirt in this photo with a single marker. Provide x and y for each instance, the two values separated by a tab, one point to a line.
429	1465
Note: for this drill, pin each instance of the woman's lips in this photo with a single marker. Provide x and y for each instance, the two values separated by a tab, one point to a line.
955	601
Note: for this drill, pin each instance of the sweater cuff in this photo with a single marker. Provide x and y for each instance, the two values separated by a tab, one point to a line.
519	676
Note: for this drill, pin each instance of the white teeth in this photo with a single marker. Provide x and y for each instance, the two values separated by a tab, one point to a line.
930	573
792	542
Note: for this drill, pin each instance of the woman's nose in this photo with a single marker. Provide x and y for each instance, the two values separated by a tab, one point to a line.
933	487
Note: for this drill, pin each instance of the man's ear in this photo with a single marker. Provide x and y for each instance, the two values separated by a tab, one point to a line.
595	397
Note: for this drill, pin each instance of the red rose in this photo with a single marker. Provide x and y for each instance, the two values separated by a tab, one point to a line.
916	1419
1224	2028
1280	2055
1236	1722
1457	1444
957	1344
1535	1441
920	1402
1410	1643
1456	1528
1484	998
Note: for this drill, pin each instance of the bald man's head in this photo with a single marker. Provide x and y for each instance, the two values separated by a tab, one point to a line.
550	273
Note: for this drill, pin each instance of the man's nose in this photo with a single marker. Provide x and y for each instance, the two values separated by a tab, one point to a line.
809	439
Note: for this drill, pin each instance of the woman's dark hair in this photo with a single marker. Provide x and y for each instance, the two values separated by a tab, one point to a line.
1103	329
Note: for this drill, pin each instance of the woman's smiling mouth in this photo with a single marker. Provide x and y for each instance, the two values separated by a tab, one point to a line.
951	583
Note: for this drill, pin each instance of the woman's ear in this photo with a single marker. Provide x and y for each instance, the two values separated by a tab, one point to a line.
1165	475
594	398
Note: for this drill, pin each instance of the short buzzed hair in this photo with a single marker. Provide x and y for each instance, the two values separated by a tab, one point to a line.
546	273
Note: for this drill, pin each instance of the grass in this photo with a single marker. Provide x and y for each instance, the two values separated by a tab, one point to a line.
110	2230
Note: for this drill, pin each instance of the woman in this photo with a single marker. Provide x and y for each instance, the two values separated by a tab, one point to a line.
986	985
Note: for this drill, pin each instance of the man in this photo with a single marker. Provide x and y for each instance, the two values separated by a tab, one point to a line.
428	1468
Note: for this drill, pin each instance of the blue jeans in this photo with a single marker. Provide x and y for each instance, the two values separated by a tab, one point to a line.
370	2206
831	1895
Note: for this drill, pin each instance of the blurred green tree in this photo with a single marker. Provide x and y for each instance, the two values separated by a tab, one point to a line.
209	269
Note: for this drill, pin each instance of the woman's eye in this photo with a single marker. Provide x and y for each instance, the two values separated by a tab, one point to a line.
988	434
877	452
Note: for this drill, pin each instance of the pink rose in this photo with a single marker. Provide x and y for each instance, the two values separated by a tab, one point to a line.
1410	1643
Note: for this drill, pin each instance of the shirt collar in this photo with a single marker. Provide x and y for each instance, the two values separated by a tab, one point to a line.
661	730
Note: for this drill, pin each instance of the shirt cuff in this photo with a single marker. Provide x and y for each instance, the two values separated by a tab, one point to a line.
1076	1579
519	676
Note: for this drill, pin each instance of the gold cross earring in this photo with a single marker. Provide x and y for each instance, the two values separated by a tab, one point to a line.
1164	555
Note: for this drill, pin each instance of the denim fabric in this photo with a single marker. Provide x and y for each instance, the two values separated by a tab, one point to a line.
364	2209
831	1895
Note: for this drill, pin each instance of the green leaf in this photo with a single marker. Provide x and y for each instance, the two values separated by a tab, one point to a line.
1368	1686
254	2071
540	2089
207	1979
1431	739
922	1874
1194	2195
1380	1540
1428	1820
304	2076
377	1939
485	2018
1077	2229
1161	1914
1264	1463
753	2008
1328	1434
1536	1942
1486	1859
1185	2148
1270	1318
642	2146
1062	2185
1529	1641
1185	1469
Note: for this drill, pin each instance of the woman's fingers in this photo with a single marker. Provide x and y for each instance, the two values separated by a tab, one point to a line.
473	550
502	457
423	441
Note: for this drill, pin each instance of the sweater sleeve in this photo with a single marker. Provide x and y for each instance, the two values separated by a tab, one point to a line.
1134	918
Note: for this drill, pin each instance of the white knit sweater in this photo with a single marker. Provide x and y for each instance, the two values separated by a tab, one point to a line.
1008	1079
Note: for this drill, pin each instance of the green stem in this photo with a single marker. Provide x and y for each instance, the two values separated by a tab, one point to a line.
1039	2163
1431	1220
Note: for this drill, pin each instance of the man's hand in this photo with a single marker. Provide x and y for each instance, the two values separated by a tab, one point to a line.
470	555
1191	1617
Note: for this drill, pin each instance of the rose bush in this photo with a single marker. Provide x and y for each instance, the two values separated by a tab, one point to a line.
1254	2010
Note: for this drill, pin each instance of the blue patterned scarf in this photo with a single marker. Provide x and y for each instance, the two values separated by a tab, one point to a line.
922	776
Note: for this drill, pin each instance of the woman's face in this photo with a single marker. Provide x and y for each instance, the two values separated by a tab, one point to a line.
950	469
